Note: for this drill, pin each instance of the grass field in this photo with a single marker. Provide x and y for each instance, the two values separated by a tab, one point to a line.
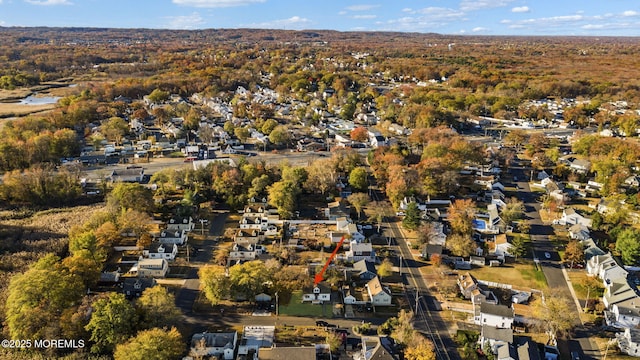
297	308
17	109
519	275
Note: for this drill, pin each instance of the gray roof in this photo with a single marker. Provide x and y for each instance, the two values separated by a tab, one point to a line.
364	266
498	310
490	332
214	339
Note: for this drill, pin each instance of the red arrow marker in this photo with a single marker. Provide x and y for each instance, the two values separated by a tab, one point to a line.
320	276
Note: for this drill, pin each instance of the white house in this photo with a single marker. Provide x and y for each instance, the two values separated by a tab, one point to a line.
318	295
629	341
606	268
571	217
156	268
178	237
378	294
360	251
495	337
180	224
217	345
502	246
624	314
499	316
161	251
619	291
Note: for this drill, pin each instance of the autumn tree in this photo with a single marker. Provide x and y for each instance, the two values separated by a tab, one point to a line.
115	129
359	134
113	320
280	135
420	348
158	96
358	201
513	210
157	308
157	344
555	315
461	245
321	176
130	196
628	245
247	279
215	283
518	246
359	178
385	269
37	297
573	252
461	215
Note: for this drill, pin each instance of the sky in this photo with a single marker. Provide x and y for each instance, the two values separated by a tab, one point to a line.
466	17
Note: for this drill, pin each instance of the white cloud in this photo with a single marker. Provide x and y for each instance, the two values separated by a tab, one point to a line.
294	22
630	13
520	9
362	7
342	12
49	2
403	10
364	17
479	29
426	19
215	3
470	5
185	22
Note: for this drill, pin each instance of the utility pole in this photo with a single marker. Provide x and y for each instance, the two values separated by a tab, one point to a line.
417	300
276	304
400	265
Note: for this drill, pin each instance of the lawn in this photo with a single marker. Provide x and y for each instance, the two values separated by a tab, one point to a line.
519	275
297	308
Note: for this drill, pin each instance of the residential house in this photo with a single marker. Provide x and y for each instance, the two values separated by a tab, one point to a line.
180	224
336	209
625	314
178	237
366	270
378	294
133	287
248	237
429	250
221	345
581	166
351	230
489	223
161	251
579	232
360	251
591	249
524	351
607	206
377	348
471	290
632	181
130	174
606	268
318	294
239	253
502	246
436	234
254	339
495	315
619	291
571	217
629	341
156	268
495	337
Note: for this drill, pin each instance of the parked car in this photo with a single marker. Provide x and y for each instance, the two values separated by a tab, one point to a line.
322	323
547	255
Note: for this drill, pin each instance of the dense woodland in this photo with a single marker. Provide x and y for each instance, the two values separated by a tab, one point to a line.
465	77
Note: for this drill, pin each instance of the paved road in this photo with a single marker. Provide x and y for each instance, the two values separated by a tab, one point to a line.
552	267
424	305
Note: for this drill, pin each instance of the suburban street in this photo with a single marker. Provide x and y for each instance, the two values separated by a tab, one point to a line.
552	267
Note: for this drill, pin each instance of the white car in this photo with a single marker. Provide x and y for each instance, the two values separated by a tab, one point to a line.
400	213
